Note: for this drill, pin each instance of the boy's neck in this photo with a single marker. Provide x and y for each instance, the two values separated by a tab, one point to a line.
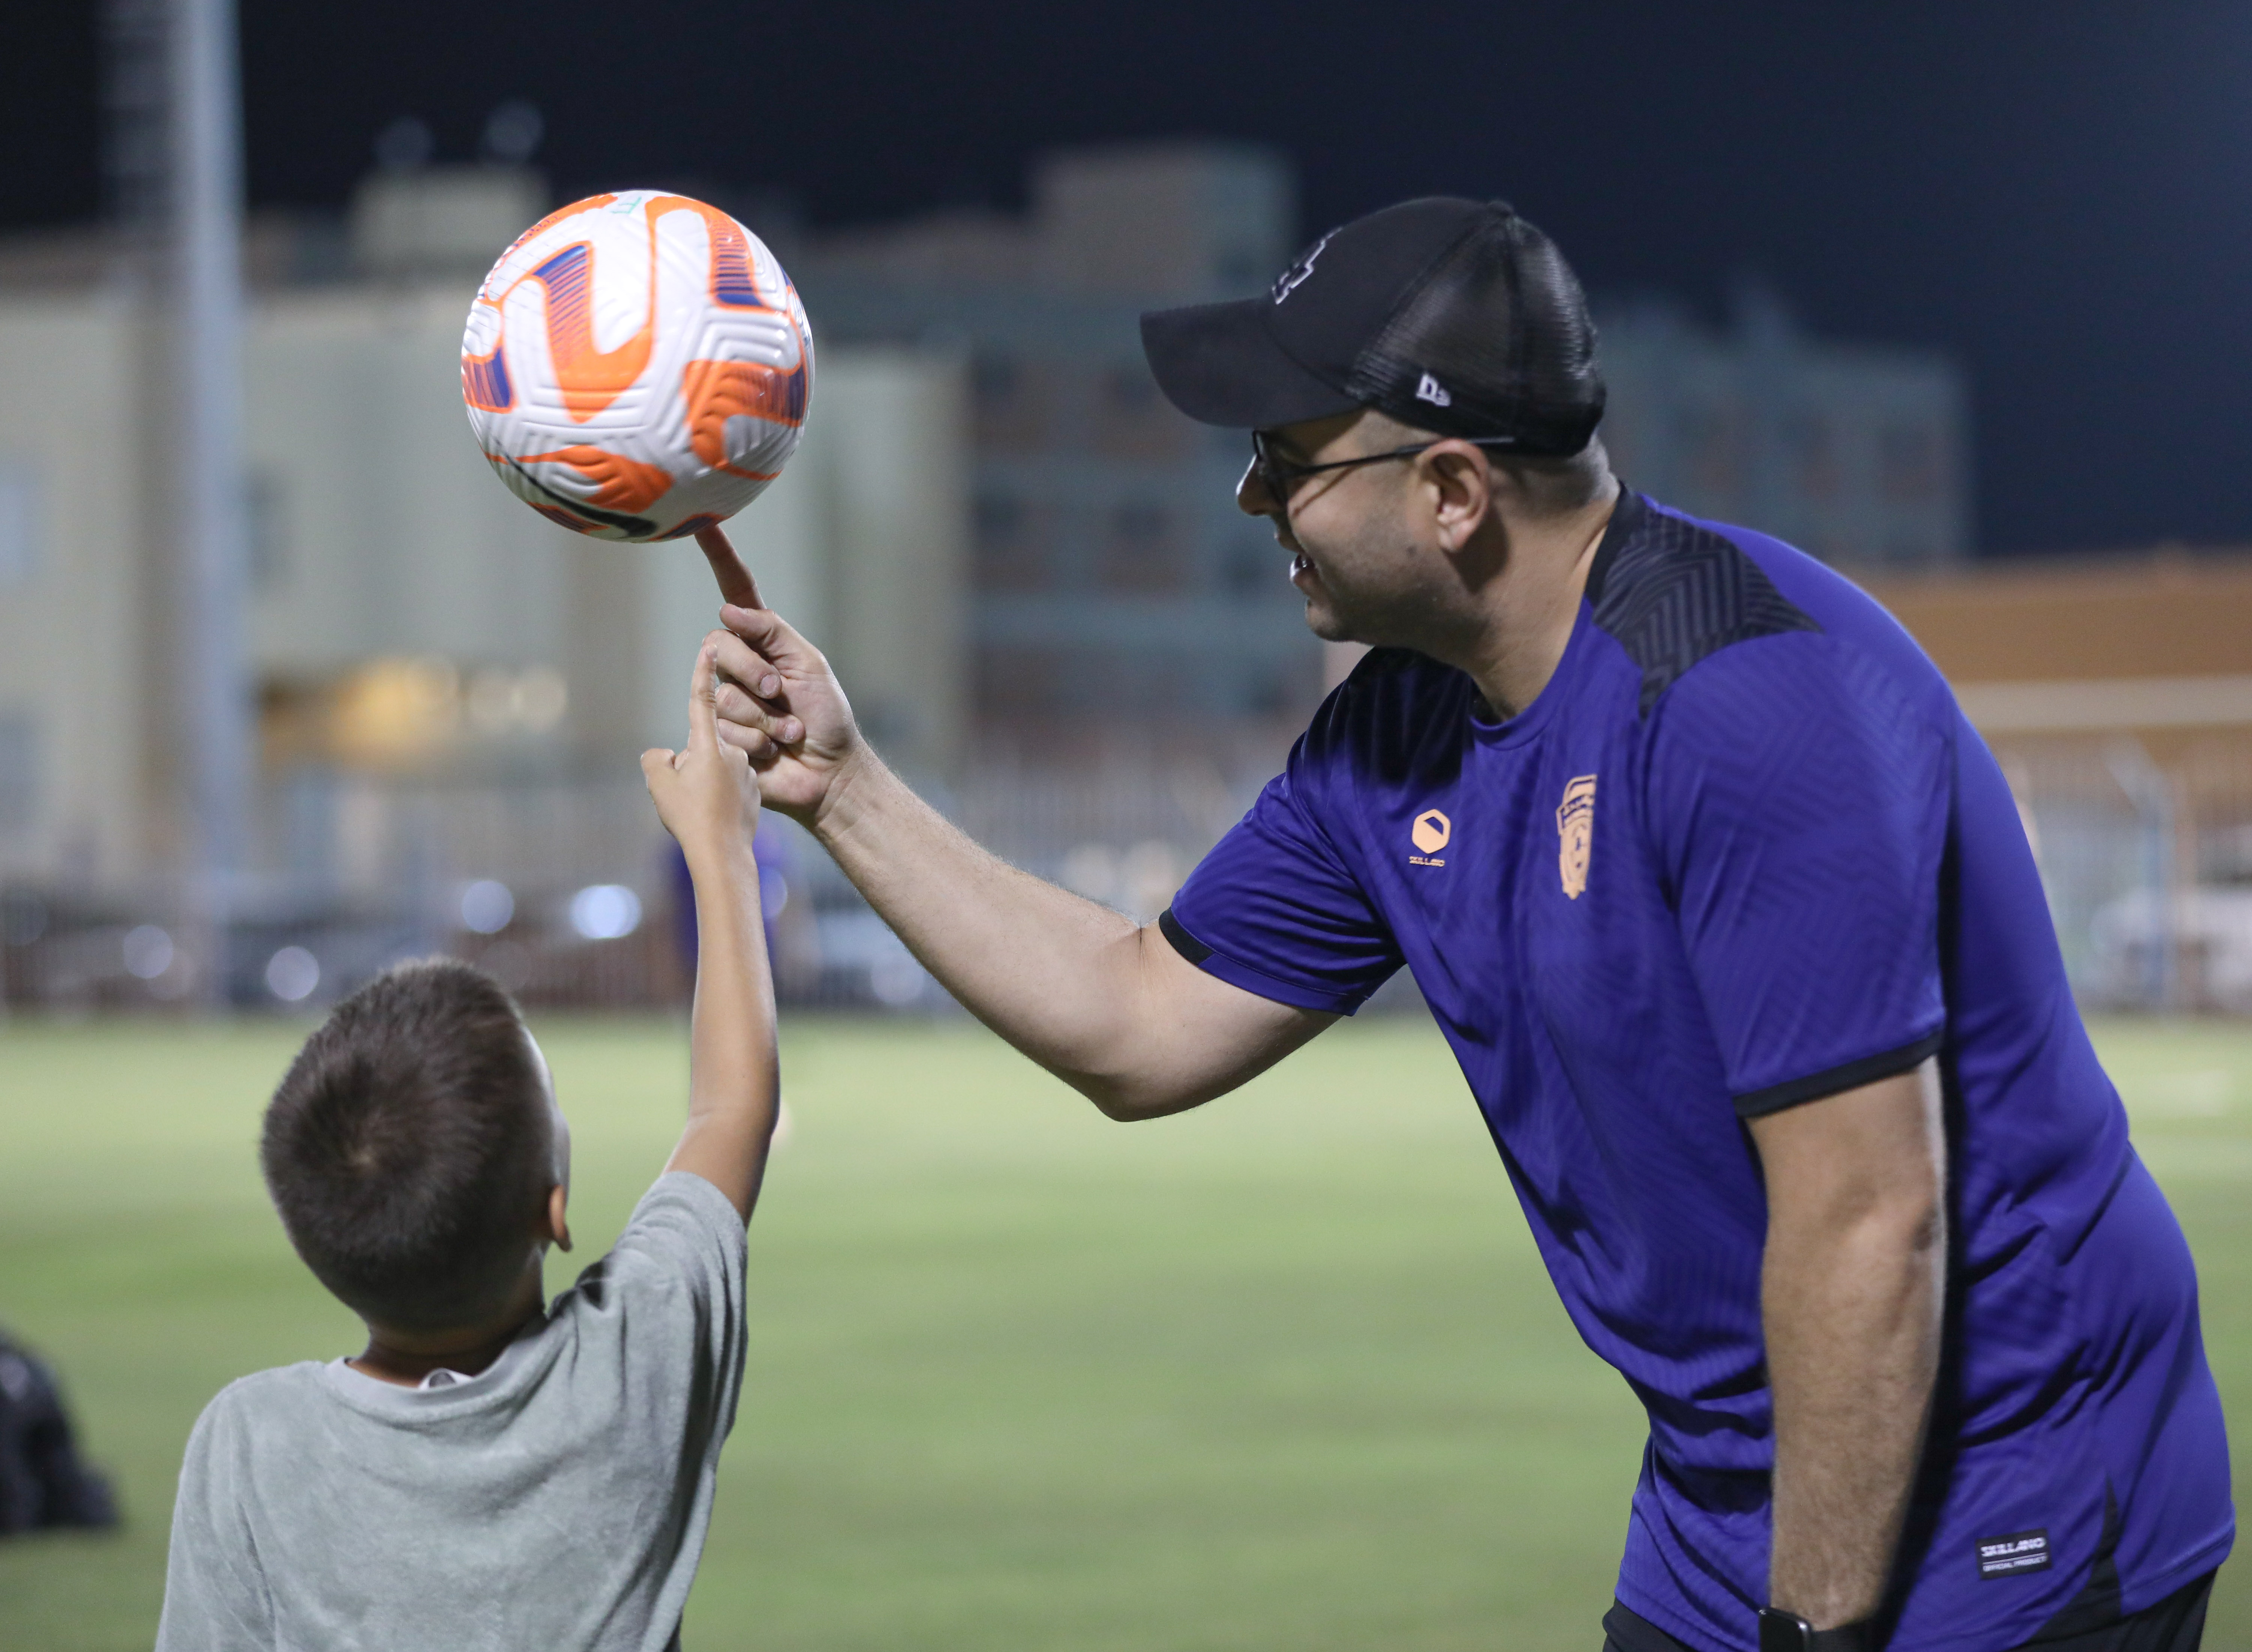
406	1358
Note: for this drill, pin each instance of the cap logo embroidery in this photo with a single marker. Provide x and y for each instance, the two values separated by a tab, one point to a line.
1430	833
1432	392
1295	277
1576	831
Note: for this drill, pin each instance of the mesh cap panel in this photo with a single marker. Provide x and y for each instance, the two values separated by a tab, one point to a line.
1494	342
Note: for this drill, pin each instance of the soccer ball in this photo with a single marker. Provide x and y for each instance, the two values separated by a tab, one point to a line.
638	366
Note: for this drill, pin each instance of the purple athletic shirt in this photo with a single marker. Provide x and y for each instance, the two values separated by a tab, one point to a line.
1741	853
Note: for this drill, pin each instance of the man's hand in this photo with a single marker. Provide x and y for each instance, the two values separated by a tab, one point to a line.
704	794
1851	1298
779	703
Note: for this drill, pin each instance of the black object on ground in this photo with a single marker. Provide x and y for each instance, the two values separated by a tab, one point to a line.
43	1484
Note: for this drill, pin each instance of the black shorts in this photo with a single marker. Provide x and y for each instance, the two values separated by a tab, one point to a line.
2176	1624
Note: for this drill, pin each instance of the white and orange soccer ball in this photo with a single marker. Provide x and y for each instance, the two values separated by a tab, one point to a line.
638	366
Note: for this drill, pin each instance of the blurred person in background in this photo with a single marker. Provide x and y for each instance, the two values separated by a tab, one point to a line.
1731	921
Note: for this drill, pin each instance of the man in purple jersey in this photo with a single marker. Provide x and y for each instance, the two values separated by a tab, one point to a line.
1728	916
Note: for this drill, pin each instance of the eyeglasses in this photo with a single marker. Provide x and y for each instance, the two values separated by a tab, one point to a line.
1281	476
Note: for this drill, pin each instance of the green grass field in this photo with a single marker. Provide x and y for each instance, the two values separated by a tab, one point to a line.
1284	1373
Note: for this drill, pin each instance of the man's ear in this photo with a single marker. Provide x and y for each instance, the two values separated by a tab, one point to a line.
1460	490
558	1229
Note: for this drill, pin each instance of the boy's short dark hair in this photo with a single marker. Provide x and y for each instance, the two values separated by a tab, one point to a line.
408	1149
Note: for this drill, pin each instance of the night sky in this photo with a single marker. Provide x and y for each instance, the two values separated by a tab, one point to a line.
2058	191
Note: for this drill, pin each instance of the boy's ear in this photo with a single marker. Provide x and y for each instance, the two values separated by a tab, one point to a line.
558	1229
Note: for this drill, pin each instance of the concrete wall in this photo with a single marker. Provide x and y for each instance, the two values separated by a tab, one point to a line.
1113	577
384	531
862	545
379	534
1859	455
892	456
79	688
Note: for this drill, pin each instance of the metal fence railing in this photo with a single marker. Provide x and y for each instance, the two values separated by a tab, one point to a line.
569	893
573	895
2145	854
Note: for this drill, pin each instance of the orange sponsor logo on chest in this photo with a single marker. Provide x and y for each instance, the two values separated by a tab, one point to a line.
1430	833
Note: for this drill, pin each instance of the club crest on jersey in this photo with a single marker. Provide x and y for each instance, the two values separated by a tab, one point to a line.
1430	833
1575	832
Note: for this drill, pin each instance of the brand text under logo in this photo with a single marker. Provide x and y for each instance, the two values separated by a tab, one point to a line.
2012	1552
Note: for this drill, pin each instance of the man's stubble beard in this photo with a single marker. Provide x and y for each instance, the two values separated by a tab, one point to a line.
1380	618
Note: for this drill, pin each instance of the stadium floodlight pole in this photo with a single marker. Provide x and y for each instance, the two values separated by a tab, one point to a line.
213	687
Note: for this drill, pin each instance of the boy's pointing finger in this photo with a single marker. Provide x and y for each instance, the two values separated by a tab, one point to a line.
703	721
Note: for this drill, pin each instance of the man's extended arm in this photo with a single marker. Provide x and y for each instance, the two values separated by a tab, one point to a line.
1105	1004
1852	1292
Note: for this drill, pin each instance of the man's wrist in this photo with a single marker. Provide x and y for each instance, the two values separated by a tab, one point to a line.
843	799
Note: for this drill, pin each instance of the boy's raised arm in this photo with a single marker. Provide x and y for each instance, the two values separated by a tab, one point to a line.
708	800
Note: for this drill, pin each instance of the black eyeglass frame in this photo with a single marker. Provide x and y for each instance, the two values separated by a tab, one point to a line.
1281	476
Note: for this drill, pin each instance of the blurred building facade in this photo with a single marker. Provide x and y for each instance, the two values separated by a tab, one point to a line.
1857	454
1113	579
450	688
1028	568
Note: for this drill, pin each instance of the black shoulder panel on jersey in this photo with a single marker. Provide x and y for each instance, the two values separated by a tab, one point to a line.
1672	593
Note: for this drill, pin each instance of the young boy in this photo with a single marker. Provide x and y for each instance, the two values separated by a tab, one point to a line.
487	1474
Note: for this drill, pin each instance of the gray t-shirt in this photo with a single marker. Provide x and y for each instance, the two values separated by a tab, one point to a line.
557	1500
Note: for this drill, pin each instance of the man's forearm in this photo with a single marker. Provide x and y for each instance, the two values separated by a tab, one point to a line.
1050	971
1852	1310
1103	1003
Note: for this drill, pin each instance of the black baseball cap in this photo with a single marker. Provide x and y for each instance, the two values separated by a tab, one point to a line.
1450	314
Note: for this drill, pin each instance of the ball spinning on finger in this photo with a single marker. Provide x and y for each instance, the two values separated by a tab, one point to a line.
638	366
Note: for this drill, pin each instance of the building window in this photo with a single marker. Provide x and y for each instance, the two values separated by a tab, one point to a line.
1132	420
1254	569
1908	461
1009	553
1140	524
19	524
264	525
1911	543
1712	448
1024	681
19	773
1000	519
1131	390
1142	550
1814	456
994	382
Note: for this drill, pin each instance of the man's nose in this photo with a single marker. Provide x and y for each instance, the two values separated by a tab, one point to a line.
1252	496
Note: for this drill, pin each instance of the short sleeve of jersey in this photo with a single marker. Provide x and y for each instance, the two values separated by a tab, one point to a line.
1798	803
672	1296
1275	910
